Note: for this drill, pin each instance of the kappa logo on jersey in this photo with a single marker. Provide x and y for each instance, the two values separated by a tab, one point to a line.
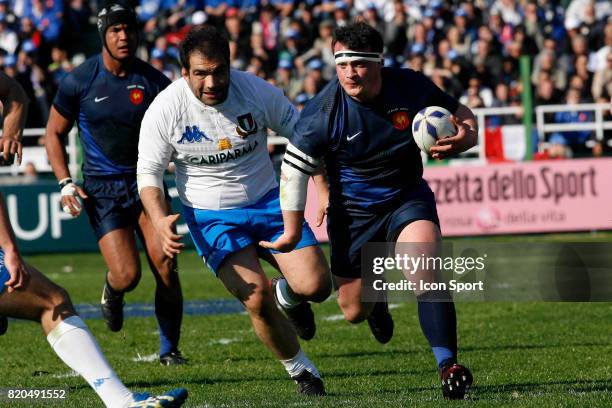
193	134
400	120
246	125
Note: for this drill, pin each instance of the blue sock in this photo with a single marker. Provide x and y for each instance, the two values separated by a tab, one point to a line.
169	314
439	324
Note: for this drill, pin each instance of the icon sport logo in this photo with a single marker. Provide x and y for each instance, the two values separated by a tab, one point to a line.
246	125
193	134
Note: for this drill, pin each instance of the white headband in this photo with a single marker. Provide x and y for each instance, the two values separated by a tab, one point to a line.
350	56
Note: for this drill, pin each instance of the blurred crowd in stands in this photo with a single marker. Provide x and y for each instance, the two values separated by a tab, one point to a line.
471	49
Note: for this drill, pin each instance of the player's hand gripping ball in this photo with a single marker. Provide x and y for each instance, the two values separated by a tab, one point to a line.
430	125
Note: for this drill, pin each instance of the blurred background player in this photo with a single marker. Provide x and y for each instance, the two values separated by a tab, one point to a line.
25	293
212	123
360	124
108	96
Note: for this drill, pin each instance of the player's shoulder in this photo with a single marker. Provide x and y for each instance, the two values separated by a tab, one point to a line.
403	77
245	82
90	65
84	73
171	100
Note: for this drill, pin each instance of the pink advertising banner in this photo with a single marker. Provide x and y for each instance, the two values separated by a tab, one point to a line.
540	196
513	198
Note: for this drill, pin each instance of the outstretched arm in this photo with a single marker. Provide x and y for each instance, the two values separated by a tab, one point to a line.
15	108
154	153
297	167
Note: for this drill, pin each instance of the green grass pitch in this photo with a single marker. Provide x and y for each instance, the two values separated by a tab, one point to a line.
521	354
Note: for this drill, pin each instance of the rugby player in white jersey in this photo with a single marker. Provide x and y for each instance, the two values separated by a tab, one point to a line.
212	123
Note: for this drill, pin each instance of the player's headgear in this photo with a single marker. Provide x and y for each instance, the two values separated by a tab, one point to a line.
350	56
112	14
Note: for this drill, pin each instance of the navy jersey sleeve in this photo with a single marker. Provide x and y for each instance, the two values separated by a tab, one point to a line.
433	96
310	134
67	99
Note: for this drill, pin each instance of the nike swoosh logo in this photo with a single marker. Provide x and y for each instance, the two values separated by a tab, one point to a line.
96	99
349	138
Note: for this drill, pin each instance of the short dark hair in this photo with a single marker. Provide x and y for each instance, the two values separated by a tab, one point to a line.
206	40
359	37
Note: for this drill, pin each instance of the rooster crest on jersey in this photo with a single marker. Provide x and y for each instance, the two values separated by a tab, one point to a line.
246	125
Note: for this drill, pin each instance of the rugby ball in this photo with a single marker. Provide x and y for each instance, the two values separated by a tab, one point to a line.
430	125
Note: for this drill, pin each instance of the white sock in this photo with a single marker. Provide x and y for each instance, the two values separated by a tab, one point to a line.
283	296
296	365
77	347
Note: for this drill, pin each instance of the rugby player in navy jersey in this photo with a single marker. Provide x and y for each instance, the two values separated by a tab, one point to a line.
359	124
107	96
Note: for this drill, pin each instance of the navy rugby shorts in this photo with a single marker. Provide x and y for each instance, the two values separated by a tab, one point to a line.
113	202
349	231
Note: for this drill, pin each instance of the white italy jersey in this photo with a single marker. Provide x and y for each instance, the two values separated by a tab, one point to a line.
220	152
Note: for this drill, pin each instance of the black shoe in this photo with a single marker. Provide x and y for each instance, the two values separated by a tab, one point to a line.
300	316
308	384
381	322
112	308
456	380
3	325
172	358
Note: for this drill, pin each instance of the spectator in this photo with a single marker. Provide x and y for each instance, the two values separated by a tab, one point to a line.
60	65
458	41
8	14
30	174
238	34
341	14
533	23
601	55
47	17
8	38
395	31
580	70
477	95
321	49
570	143
546	61
508	11
371	16
602	82
301	100
285	79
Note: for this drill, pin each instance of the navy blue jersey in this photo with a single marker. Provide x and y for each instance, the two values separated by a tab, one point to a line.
108	110
369	152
